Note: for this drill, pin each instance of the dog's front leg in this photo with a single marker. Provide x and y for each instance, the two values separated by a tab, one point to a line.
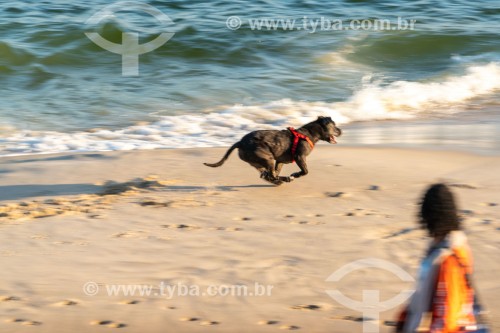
301	162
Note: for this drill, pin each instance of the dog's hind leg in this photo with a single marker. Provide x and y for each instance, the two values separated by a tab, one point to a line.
264	172
270	177
263	160
277	170
278	167
268	172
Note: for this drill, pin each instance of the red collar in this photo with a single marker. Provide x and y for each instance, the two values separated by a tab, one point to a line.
296	137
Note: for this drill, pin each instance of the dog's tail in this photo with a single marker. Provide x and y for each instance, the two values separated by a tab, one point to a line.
218	164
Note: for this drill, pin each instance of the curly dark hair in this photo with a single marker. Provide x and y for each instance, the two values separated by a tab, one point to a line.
438	213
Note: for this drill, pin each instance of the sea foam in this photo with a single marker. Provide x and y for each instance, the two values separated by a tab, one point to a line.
399	100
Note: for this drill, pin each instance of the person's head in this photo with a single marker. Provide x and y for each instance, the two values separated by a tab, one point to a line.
438	213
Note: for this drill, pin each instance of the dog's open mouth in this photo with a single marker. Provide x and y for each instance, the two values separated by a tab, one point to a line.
332	139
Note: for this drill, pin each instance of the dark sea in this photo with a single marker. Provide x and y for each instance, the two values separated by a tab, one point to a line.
420	73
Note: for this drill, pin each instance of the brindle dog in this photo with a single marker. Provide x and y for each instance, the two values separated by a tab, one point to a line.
268	150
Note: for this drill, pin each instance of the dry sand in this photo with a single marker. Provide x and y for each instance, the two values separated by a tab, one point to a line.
153	217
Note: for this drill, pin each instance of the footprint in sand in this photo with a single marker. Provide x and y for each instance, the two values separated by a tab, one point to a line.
97	216
373	188
466	214
306	307
486	222
489	204
234	229
307	222
369	212
228	228
289	327
107	323
209	323
130	301
129	234
245	218
299	222
66	303
23	321
180	226
154	203
337	195
13	320
357	319
100	322
267	322
189	319
7	298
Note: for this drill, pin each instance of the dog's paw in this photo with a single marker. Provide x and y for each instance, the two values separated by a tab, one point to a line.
288	179
277	182
295	175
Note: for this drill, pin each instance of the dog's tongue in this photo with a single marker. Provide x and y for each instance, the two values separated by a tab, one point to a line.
332	139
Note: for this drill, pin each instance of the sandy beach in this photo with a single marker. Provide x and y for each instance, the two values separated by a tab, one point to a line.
109	221
72	225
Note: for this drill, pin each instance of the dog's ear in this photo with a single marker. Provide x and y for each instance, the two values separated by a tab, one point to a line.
324	120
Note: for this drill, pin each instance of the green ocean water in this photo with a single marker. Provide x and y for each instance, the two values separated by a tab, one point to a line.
210	83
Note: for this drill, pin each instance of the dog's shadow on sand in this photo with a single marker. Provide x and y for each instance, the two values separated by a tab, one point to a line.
19	192
223	188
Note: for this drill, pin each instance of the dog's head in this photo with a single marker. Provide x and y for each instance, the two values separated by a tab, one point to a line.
329	131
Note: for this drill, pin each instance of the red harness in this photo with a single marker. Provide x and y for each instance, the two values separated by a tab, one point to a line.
296	138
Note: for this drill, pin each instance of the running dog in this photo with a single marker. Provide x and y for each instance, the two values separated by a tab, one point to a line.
268	150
